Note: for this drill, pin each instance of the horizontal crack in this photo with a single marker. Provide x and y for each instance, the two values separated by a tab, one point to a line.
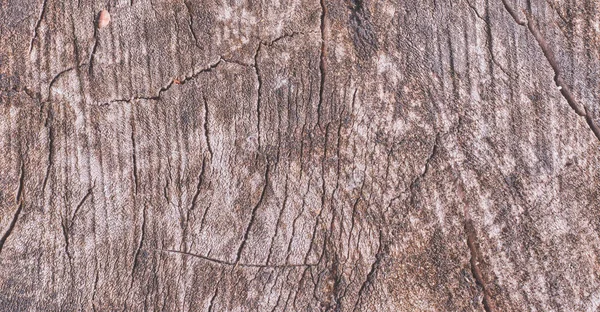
169	85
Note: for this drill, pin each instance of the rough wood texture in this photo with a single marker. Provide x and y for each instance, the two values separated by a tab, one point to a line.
352	155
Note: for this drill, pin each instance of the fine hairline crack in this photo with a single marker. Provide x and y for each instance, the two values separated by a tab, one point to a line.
235	264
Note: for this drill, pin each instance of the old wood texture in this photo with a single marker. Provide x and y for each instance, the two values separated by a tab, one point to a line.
300	155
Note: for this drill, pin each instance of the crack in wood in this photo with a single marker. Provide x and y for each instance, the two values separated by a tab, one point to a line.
489	37
214	296
353	217
65	230
206	130
194	203
253	215
259	91
302	208
191	22
475	260
417	181
323	198
238	264
199	185
93	53
57	76
37	25
140	245
580	109
165	88
134	156
381	251
279	219
80	204
67	224
322	57
19	199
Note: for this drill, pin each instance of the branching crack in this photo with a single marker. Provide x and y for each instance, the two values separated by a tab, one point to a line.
195	201
261	43
381	251
286	35
65	230
303	206
259	76
475	11
136	256
579	109
67	224
168	86
199	185
323	197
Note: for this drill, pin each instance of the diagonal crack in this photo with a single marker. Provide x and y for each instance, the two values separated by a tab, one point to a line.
19	198
78	207
214	296
279	218
253	216
93	52
381	252
37	25
579	109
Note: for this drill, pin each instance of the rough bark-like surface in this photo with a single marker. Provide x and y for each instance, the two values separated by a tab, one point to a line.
352	155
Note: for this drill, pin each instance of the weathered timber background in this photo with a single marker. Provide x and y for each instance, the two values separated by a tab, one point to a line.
299	155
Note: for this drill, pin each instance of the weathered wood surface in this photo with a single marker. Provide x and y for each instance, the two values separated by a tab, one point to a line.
300	156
